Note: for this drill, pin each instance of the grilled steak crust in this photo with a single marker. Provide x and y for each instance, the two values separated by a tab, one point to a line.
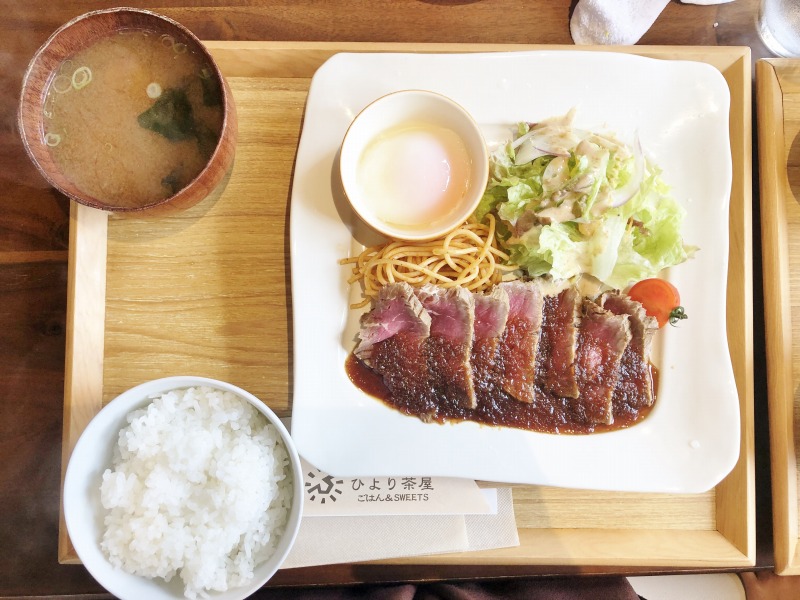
491	314
634	390
392	343
396	310
520	340
555	362
603	337
402	361
449	346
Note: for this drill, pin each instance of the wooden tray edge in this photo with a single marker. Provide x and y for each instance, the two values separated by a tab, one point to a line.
284	60
578	548
777	315
85	338
736	524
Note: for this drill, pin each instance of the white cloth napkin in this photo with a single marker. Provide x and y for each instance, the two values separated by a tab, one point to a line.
331	540
617	22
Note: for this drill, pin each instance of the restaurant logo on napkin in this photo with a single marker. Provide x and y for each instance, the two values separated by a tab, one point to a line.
326	495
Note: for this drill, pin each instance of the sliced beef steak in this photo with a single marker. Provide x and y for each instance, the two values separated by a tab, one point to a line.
392	343
560	363
491	314
555	362
396	310
520	340
449	346
634	390
602	339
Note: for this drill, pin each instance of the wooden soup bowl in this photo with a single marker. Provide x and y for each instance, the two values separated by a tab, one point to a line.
80	33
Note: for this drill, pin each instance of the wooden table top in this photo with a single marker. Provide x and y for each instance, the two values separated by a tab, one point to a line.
35	231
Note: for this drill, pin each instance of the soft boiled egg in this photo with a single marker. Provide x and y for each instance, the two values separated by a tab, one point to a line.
414	173
414	165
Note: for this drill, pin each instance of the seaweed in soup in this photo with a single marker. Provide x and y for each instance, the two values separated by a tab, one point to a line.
172	181
170	116
212	91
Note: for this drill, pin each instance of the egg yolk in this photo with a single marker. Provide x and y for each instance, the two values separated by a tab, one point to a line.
414	174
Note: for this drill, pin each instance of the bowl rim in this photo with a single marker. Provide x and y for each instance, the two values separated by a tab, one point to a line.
478	188
117	409
228	109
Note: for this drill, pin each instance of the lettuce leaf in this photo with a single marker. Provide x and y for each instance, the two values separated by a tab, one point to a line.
617	245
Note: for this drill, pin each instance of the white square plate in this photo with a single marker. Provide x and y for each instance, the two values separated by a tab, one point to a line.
690	440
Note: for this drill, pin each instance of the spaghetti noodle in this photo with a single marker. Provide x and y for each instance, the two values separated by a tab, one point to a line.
468	257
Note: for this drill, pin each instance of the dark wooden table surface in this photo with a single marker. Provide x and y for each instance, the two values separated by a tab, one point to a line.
34	240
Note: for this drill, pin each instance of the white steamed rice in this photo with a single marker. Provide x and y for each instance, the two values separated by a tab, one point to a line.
200	485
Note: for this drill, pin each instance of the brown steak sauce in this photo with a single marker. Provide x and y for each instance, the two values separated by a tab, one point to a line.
550	416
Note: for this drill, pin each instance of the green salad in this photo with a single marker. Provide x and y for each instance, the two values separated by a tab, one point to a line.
572	202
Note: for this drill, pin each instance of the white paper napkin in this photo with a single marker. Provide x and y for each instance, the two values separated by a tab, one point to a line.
331	540
617	22
496	530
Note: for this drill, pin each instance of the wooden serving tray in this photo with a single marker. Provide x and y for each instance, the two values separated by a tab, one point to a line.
207	292
778	89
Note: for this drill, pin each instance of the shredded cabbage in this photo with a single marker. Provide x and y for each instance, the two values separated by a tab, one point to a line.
582	203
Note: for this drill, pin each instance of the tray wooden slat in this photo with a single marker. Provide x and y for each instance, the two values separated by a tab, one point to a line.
207	292
778	88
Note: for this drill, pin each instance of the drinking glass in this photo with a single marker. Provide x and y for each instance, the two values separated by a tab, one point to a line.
779	26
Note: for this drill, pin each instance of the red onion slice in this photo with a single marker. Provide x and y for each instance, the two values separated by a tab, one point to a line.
528	153
544	141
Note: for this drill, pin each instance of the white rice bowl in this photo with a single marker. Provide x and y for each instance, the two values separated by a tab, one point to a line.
201	494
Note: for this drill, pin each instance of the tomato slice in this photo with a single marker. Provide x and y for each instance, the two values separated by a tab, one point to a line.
660	299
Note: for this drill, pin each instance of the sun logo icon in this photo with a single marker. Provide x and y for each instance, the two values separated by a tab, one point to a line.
325	489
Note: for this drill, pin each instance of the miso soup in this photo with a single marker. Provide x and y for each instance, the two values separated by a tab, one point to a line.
133	118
